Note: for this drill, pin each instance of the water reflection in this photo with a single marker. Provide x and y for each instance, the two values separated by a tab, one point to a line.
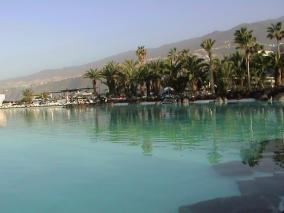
214	157
258	193
254	154
228	147
3	119
147	146
207	127
188	127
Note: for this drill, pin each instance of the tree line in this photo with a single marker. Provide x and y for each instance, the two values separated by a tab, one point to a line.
244	70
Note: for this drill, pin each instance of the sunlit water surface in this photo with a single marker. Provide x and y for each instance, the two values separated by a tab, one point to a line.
142	159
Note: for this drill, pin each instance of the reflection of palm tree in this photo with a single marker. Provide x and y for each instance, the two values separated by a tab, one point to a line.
147	146
3	119
30	115
279	154
214	156
253	153
141	126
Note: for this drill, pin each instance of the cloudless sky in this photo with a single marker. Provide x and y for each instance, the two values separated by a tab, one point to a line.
46	34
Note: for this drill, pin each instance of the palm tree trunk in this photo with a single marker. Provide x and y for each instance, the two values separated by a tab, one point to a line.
193	87
281	71
212	83
277	77
157	86
141	89
242	84
148	85
280	78
94	87
248	72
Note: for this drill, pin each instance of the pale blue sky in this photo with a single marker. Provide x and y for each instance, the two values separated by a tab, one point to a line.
45	34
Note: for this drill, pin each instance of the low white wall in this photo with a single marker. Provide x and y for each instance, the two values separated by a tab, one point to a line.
2	98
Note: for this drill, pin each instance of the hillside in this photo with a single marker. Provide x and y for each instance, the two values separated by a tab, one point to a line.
69	77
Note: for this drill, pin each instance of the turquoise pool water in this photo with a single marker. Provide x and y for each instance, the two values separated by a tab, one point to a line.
142	159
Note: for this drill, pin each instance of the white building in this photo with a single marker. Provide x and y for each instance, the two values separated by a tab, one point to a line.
2	98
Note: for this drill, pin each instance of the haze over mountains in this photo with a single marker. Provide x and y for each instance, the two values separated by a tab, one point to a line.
70	77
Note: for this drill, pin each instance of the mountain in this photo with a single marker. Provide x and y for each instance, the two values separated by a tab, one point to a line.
70	77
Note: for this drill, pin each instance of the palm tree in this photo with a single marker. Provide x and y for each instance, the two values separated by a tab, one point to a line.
151	75
247	42
27	96
224	71
196	74
207	45
239	70
94	75
141	53
173	74
110	72
144	77
260	63
173	56
275	32
128	77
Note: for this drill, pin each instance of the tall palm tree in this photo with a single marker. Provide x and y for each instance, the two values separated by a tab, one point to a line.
94	75
207	45
141	53
246	42
110	72
275	32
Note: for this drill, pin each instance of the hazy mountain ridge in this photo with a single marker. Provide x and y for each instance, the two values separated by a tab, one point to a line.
70	77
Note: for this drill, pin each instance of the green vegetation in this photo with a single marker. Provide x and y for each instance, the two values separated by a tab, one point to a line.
27	96
94	75
275	32
243	71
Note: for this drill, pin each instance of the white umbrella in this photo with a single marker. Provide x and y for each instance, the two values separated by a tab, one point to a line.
168	89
